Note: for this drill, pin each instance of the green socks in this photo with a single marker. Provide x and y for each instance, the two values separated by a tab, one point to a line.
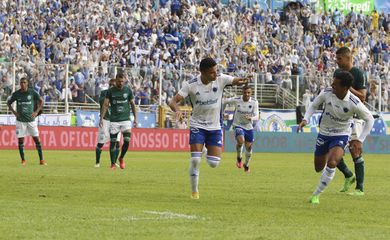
344	169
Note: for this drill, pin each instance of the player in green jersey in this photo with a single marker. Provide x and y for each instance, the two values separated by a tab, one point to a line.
344	62
26	125
104	132
120	98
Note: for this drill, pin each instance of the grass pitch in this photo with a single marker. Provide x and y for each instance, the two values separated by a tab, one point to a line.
150	199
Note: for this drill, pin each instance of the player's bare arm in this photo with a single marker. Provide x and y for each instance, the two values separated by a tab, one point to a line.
173	104
241	80
301	125
103	111
134	109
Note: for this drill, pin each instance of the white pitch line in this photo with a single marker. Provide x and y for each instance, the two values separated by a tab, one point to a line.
171	215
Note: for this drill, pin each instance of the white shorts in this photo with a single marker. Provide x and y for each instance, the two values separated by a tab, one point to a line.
357	128
24	129
116	127
104	133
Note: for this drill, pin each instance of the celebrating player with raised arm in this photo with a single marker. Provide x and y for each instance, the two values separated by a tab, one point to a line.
205	94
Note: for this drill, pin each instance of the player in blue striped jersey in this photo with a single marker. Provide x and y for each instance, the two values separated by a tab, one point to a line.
340	105
205	94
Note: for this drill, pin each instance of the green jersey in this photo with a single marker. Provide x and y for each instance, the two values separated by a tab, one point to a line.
119	101
358	78
25	103
101	102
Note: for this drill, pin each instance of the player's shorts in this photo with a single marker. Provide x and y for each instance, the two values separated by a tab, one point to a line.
324	143
104	133
248	134
357	128
208	137
24	129
116	127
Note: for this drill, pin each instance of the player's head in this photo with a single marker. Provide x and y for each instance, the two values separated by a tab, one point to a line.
246	93
208	69
344	58
119	80
342	81
23	84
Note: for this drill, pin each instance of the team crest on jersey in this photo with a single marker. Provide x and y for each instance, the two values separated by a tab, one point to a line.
250	106
274	123
345	110
125	95
29	97
114	101
215	89
197	93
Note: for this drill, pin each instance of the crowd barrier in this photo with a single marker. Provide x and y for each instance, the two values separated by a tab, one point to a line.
146	139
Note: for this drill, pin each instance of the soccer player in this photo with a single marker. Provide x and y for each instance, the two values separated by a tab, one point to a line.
120	98
205	94
104	132
26	112
340	105
358	88
246	111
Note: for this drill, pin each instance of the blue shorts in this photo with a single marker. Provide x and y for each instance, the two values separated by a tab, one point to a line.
324	143
248	134
209	138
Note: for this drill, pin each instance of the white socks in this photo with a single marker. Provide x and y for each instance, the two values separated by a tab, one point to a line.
326	176
194	170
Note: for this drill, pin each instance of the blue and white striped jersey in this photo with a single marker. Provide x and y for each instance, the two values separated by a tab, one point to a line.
206	101
337	116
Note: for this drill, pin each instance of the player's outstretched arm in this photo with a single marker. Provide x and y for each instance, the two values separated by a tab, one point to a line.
241	80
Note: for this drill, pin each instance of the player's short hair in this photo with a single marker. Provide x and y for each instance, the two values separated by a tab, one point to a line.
24	79
345	78
343	51
120	75
245	87
206	63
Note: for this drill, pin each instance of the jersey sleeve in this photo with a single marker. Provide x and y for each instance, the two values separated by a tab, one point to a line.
36	96
226	79
359	80
315	104
365	114
11	99
184	90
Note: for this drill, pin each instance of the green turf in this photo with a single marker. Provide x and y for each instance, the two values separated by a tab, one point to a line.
150	199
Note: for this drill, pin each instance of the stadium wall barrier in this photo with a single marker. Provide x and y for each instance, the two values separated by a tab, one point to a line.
146	139
85	138
301	142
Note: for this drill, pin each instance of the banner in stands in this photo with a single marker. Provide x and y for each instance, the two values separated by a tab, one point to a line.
276	120
43	120
79	138
345	5
87	118
91	119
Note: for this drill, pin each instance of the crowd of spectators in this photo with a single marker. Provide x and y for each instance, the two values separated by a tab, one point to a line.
98	37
